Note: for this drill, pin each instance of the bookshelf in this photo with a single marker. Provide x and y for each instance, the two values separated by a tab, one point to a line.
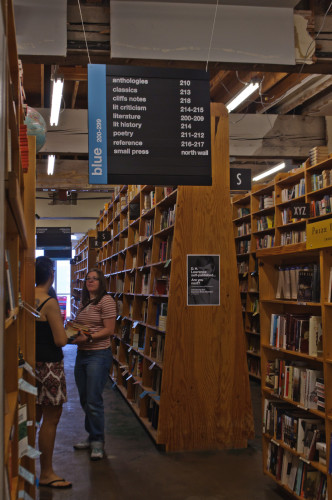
84	259
295	311
172	360
18	337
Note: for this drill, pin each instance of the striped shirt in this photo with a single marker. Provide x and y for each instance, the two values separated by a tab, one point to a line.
93	316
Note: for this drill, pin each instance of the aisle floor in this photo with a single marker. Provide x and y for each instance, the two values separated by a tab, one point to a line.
134	468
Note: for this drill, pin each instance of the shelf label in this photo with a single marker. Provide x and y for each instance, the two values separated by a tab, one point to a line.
28	476
145	393
149	238
23	385
275	442
135	324
167	263
305	460
240	179
130	376
319	234
130	348
127	137
118	317
300	210
152	366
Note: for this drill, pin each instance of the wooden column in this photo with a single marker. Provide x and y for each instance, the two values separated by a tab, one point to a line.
205	383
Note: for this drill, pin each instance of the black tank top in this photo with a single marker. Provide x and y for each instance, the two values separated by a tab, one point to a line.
46	350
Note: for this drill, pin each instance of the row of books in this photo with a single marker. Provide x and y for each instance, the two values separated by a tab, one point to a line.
243	246
321	207
243	211
293	192
161	316
149	201
291	237
243	267
265	222
295	332
296	428
320	181
244	229
301	283
266	241
266	201
157	345
148	227
287	216
292	380
167	217
165	248
301	478
254	366
318	154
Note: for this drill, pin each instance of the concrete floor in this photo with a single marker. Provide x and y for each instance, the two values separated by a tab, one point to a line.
134	468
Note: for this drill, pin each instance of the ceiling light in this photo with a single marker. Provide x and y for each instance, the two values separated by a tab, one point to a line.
50	165
242	96
272	170
56	101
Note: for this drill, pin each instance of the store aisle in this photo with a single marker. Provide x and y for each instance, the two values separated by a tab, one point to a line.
135	470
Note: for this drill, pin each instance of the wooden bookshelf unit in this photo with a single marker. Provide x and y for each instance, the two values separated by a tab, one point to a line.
85	259
296	333
182	368
18	293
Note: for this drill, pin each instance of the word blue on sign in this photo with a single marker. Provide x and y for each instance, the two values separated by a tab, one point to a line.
97	124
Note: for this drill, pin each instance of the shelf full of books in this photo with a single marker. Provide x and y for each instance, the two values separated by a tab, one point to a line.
296	363
83	260
269	217
17	382
163	364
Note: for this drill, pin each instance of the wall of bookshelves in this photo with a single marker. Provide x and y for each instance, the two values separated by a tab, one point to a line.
17	289
263	219
84	259
295	323
172	360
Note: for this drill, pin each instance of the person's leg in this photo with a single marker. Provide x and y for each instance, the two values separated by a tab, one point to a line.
97	376
80	372
47	432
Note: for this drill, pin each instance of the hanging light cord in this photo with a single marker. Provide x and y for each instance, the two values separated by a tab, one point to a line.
212	32
86	43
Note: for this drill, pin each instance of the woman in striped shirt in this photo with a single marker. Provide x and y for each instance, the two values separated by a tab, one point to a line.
94	358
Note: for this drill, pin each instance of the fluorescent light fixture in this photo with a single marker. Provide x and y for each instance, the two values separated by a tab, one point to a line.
56	101
50	165
242	96
272	170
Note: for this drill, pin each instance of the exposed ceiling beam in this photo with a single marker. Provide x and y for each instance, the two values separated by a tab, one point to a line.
297	98
73	99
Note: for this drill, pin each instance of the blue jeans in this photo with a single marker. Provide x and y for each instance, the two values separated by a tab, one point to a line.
91	374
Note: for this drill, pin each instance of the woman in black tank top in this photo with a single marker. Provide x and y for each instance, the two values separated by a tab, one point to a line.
50	377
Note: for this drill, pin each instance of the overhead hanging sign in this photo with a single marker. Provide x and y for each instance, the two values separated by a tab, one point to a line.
149	126
240	179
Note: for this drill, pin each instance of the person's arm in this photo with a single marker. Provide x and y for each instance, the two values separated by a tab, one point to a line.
109	325
54	318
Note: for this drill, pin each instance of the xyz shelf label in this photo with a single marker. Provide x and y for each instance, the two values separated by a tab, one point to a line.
158	127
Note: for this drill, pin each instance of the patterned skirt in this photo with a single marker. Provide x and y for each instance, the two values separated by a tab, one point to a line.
51	383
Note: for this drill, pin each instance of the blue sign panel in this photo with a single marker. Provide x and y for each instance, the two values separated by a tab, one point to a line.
97	124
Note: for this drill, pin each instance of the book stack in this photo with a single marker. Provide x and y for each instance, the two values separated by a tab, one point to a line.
149	201
301	283
145	284
321	448
160	285
318	154
265	222
167	218
242	212
24	148
293	192
244	229
161	317
320	390
168	190
266	201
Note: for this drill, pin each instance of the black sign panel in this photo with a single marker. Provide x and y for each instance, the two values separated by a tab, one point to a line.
300	211
51	238
240	179
158	126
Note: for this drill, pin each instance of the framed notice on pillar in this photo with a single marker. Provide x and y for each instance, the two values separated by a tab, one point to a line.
149	126
203	280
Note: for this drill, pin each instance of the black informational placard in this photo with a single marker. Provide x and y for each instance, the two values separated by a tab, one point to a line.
53	238
240	179
158	126
203	280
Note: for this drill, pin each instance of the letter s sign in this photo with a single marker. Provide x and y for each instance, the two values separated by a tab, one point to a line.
239	180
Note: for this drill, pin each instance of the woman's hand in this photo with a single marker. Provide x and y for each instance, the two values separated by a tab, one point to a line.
80	339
